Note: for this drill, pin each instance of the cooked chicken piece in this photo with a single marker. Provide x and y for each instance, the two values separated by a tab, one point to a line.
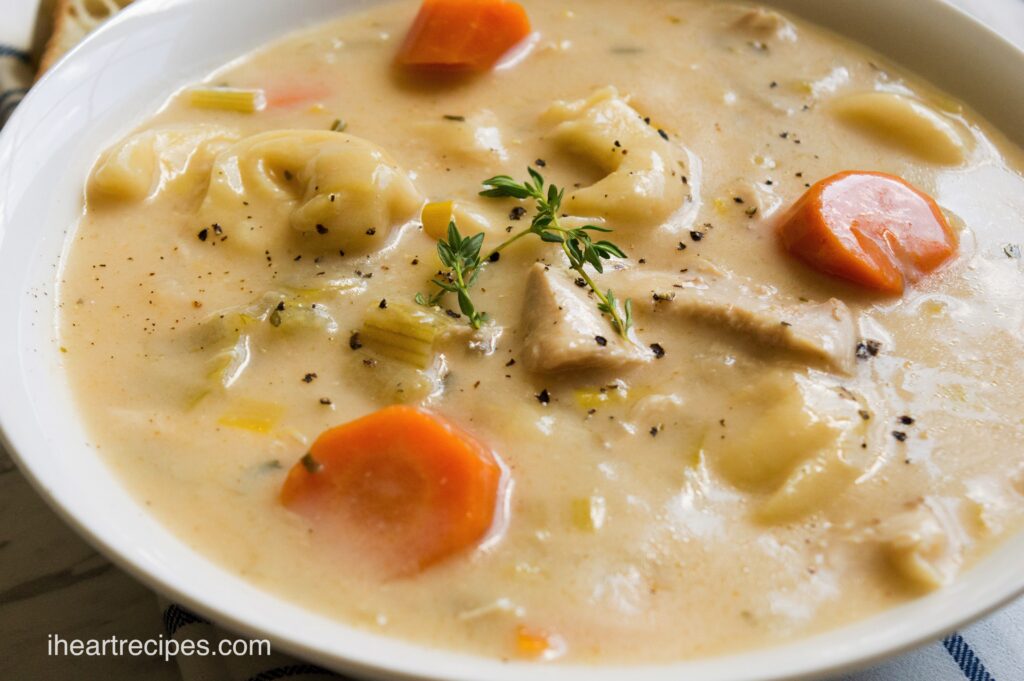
564	329
823	332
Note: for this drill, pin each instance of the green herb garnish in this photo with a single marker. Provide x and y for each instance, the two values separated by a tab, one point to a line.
577	244
461	255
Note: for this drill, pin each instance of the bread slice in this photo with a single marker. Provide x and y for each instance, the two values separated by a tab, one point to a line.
72	21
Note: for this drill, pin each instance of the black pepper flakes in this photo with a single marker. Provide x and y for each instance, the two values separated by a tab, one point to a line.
517	213
494	257
326	401
544	397
601	340
664	135
658	351
868	348
540	163
906	420
864	414
383	304
321	230
371	231
696	236
354	342
309	378
311	464
681	246
203	233
899	435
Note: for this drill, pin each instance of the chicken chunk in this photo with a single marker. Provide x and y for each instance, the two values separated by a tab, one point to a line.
825	333
564	330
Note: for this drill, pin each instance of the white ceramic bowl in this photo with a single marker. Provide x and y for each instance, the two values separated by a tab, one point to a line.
121	75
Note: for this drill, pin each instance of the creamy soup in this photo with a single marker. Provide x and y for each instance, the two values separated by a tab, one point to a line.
777	435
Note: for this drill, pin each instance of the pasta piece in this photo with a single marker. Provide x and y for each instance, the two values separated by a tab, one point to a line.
475	138
810	487
906	124
172	159
788	436
340	192
924	545
227	99
644	184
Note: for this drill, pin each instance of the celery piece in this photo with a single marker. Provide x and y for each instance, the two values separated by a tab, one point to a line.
588	513
402	332
252	415
227	99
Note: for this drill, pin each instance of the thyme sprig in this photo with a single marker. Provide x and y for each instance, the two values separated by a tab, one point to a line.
461	255
577	243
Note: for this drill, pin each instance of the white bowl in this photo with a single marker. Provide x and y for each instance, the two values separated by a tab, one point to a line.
121	75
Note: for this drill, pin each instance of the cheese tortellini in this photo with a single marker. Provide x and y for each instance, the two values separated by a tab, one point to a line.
924	545
793	441
904	123
644	185
172	159
476	138
340	192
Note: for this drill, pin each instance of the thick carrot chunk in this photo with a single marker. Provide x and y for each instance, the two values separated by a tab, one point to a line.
463	34
406	485
873	229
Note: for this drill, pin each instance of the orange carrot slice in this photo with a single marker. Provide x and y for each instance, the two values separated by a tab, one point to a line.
295	94
467	34
873	229
409	487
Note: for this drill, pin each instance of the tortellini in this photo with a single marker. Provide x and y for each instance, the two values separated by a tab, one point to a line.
925	544
476	138
341	192
905	123
644	185
790	439
172	159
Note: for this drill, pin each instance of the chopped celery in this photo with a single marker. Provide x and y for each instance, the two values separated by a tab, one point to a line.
403	332
229	333
227	99
588	513
253	415
594	398
293	317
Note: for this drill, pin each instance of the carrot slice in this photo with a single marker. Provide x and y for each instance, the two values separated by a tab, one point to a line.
873	229
295	94
467	34
405	484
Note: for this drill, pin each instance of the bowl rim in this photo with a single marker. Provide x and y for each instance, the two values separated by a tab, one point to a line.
793	660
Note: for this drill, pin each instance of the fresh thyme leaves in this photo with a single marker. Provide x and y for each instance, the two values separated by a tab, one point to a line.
461	256
577	243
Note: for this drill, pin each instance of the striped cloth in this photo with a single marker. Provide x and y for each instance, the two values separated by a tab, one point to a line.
992	650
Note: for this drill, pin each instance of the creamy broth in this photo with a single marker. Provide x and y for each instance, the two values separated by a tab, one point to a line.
654	508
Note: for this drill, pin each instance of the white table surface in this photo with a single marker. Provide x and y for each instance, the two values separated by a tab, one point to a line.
51	582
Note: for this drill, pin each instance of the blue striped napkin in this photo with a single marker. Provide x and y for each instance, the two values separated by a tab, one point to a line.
991	650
